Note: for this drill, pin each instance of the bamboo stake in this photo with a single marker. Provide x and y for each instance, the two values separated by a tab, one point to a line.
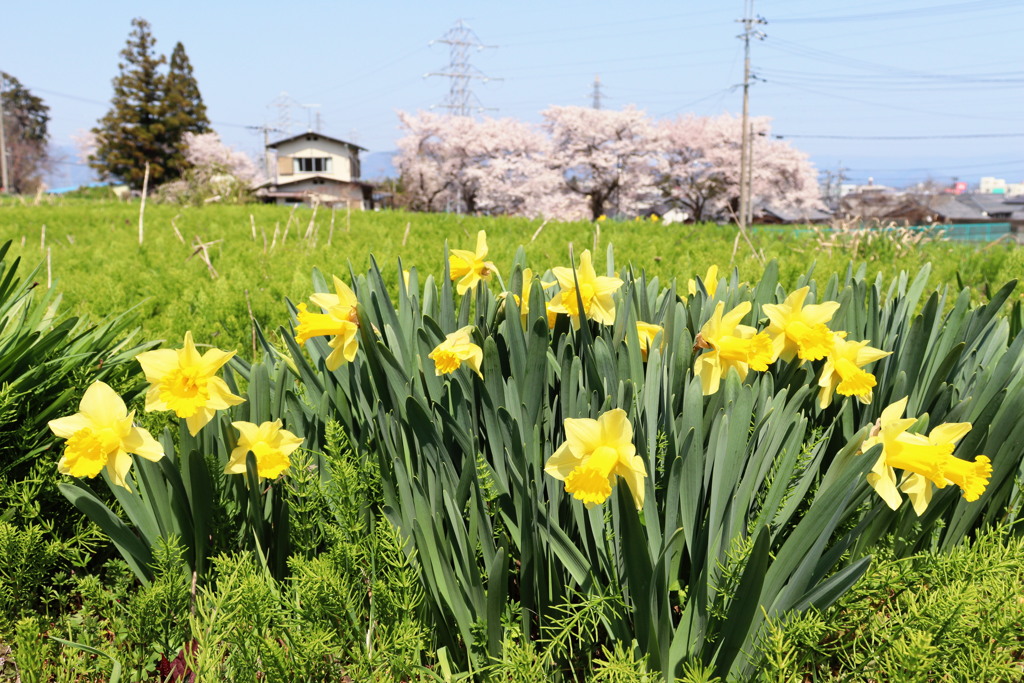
312	222
176	231
408	226
348	215
252	322
252	226
49	272
330	234
42	237
597	235
142	205
537	232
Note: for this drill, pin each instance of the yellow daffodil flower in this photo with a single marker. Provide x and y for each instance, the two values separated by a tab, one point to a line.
101	434
646	333
183	381
552	315
843	373
340	321
595	291
710	281
731	345
455	350
470	267
523	300
595	452
270	445
602	218
654	218
799	330
925	461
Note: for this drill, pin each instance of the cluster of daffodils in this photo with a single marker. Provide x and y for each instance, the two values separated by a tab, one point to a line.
598	452
796	331
927	462
103	435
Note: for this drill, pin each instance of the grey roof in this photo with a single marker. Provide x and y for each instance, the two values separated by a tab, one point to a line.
949	207
989	203
314	134
793	214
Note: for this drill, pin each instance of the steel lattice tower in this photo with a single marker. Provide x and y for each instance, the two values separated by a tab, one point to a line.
461	40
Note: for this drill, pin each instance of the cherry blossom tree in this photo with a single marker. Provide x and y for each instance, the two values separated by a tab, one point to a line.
582	163
611	158
206	151
702	167
494	166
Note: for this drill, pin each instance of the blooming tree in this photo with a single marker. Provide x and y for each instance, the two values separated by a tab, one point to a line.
495	166
583	163
206	151
609	157
702	166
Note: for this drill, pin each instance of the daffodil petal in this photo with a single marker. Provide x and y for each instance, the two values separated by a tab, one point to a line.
582	434
157	364
949	432
102	405
64	427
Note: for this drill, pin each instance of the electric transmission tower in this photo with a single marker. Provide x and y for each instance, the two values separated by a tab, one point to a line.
460	100
596	94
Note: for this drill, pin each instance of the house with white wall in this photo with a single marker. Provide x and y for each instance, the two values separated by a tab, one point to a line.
313	168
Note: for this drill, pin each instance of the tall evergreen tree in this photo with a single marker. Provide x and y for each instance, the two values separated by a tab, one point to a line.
25	119
184	111
134	131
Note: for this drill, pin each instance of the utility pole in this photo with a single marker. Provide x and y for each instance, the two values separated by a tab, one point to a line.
596	96
460	100
748	22
267	162
4	179
750	175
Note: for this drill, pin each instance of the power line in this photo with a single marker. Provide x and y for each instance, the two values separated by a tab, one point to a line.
956	136
915	13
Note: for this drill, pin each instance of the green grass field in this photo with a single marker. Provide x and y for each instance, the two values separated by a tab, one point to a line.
97	264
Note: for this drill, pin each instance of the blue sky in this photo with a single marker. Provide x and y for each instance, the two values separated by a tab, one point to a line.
864	76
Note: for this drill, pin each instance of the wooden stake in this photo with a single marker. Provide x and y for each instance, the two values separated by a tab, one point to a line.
252	225
49	272
348	215
142	205
330	234
42	237
408	226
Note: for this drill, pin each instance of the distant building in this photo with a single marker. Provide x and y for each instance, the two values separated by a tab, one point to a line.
990	185
313	168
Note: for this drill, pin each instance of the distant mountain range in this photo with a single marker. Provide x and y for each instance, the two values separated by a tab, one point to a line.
378	166
68	170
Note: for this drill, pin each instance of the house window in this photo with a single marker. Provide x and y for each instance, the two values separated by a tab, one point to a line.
313	165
